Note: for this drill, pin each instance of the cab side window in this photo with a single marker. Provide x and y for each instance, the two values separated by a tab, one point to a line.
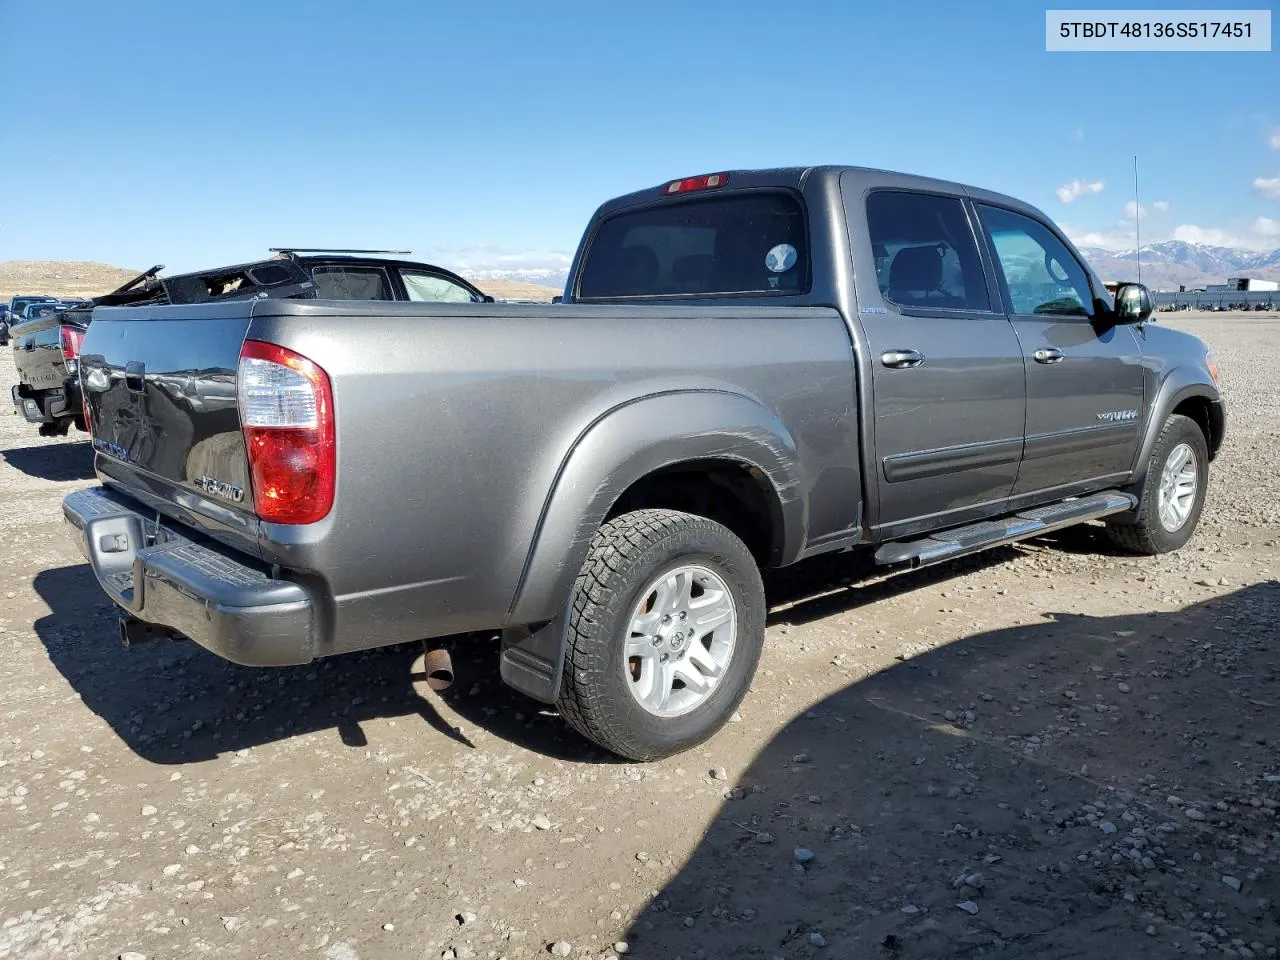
925	253
1039	273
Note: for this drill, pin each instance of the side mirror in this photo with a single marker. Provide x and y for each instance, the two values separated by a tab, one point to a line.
1133	303
559	299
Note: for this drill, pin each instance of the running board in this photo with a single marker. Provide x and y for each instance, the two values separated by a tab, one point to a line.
959	541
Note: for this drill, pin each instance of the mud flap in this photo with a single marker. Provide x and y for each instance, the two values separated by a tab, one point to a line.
533	658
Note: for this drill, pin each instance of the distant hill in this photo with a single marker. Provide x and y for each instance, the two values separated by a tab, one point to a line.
1173	262
84	278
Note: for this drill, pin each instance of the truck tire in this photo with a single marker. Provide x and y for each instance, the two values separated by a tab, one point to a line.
664	634
1173	492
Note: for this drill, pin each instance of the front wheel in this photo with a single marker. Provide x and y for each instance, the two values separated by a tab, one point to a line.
1173	492
664	634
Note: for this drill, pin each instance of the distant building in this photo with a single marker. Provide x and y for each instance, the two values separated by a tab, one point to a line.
1243	285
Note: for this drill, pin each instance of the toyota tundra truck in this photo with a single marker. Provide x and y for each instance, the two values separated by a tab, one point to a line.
748	368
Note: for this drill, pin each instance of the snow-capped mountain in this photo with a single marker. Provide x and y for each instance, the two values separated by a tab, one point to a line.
544	276
1175	262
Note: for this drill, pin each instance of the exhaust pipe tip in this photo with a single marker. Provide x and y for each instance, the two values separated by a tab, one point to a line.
134	632
437	665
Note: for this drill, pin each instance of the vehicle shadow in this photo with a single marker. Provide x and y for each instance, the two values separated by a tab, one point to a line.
176	703
53	461
1042	763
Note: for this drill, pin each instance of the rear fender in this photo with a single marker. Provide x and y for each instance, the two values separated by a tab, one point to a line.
624	446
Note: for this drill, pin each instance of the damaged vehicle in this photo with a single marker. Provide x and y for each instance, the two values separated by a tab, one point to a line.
46	347
748	369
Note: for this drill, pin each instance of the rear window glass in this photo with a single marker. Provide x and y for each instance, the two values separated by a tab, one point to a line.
751	243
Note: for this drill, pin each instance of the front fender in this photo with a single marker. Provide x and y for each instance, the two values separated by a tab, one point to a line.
1178	385
630	442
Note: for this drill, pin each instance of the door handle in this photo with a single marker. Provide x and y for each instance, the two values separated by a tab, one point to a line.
1048	355
134	376
899	359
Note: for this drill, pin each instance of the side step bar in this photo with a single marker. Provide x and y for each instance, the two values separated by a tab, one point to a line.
947	544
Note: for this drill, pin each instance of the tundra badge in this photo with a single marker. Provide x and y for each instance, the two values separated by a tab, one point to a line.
228	491
1118	416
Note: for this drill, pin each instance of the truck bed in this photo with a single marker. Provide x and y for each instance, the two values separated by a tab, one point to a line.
454	425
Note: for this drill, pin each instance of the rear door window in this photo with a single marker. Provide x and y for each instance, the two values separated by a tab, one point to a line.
741	243
925	253
420	285
342	282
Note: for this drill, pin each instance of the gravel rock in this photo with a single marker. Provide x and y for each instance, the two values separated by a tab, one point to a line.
969	907
133	955
802	854
541	822
1106	826
719	773
148	811
817	939
1193	813
1232	882
621	947
561	948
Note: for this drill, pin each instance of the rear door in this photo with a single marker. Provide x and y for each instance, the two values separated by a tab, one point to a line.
1084	375
950	398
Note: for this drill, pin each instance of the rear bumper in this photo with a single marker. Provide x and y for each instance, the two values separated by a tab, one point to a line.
203	591
48	406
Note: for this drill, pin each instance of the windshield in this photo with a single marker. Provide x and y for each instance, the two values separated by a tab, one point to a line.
21	303
738	243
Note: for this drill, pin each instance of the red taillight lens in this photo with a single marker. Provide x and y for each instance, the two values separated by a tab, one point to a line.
286	412
706	182
71	340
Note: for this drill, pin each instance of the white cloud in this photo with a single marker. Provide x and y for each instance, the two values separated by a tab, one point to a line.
1275	141
1121	239
1269	187
1252	237
1132	207
1070	192
1161	205
1260	234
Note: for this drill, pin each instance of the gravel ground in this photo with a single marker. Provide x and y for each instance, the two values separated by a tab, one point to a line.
1049	750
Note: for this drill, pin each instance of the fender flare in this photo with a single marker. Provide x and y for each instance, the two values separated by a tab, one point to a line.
626	444
1181	383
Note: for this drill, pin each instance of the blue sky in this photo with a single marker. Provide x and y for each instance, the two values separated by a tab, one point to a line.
484	133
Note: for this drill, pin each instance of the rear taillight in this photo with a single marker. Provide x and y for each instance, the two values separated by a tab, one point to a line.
71	340
286	411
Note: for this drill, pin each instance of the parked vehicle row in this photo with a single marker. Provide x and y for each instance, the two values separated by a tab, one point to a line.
28	307
747	369
47	341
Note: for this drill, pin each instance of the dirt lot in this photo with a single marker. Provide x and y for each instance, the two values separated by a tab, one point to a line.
1048	751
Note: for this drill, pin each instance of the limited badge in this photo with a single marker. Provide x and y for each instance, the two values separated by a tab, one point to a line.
781	258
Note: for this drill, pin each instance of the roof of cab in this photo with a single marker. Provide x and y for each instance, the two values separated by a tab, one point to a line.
798	177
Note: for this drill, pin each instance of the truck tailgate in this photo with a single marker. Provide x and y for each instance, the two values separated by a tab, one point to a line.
160	385
37	352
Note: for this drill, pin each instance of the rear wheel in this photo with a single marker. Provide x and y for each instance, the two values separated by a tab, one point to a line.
664	633
1173	492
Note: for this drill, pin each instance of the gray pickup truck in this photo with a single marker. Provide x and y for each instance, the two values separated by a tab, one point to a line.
748	369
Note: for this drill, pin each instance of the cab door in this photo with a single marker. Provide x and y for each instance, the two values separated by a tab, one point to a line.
947	376
1084	373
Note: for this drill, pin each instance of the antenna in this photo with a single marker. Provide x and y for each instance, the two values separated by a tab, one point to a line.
1137	218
